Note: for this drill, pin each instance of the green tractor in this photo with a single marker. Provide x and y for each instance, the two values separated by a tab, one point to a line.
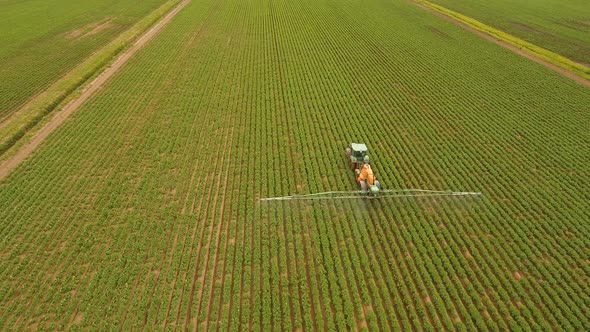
359	163
355	153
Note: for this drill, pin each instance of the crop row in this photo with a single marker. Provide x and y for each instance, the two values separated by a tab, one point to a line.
142	210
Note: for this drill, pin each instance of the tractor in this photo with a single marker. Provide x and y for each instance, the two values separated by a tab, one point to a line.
359	163
369	186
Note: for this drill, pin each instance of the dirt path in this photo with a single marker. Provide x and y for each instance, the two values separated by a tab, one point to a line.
99	81
506	45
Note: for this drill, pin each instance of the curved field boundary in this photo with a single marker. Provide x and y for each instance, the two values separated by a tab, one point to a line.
17	125
95	85
551	60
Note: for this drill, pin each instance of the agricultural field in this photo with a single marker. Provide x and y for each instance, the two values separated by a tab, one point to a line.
143	210
557	25
40	41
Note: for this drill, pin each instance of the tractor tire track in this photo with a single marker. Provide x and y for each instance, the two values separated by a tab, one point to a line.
202	268
217	166
59	118
240	176
226	155
188	191
203	212
140	277
185	192
235	188
182	251
225	221
203	216
198	226
248	180
157	99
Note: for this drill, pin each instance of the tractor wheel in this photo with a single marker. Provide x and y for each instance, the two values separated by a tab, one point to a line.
378	184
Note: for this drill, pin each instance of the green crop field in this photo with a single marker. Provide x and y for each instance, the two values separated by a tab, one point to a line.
142	210
562	26
41	40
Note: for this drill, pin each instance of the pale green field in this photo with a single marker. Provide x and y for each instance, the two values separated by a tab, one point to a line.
41	40
562	26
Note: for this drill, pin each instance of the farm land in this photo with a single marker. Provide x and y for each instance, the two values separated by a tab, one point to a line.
142	210
42	42
560	26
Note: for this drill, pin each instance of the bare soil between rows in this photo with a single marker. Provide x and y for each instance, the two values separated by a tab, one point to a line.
11	163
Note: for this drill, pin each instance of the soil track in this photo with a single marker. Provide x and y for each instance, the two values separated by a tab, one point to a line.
506	45
99	81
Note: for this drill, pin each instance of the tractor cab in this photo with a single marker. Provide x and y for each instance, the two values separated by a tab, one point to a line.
356	152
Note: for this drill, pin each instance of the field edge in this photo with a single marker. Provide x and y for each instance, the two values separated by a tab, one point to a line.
20	124
582	73
25	149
